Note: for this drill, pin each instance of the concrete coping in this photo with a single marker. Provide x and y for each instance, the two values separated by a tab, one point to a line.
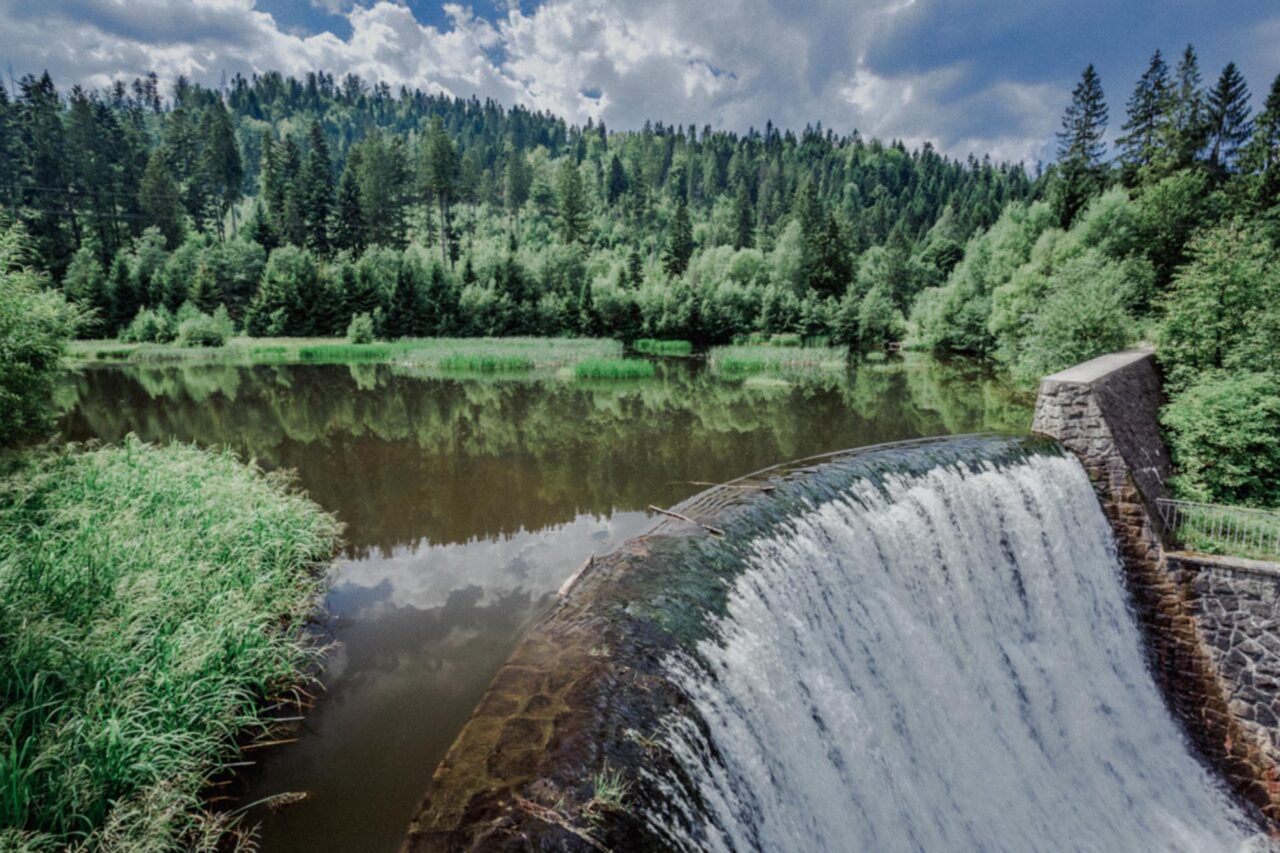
1219	561
1091	371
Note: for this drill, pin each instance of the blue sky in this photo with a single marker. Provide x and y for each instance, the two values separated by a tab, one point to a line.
971	76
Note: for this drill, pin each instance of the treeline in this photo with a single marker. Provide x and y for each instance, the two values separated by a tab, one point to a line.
1175	240
296	204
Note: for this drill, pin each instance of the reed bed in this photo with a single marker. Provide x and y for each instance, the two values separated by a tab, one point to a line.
614	368
746	360
485	363
153	604
653	346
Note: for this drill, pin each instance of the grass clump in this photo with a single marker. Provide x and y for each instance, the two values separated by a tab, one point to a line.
486	363
344	352
653	346
614	368
152	602
746	360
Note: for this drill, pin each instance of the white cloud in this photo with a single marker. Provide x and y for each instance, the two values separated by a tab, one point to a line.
850	64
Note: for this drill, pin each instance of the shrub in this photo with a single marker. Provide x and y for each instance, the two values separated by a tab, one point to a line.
35	326
203	330
360	329
149	327
1224	436
152	601
653	346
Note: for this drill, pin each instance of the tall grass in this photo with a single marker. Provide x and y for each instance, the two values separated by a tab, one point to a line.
485	363
614	368
653	346
152	603
749	360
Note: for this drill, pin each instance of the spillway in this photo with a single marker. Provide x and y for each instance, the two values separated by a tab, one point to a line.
922	649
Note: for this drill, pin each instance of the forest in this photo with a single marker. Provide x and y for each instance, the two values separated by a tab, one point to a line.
317	207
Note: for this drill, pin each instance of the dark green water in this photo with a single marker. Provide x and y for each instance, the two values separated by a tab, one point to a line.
467	503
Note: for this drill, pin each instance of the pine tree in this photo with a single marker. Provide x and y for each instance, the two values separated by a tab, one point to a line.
220	170
317	192
617	182
744	220
440	174
1147	111
675	260
348	226
161	199
1185	127
515	184
1262	156
1227	118
1081	147
573	204
122	292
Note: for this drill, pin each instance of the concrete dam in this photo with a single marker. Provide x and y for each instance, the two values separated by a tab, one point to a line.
935	645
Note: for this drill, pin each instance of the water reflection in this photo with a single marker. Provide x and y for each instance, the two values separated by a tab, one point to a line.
467	503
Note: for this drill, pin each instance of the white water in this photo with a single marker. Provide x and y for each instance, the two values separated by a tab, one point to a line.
948	667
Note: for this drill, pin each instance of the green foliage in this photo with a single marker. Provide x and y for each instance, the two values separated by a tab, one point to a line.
1224	436
1223	309
485	363
150	327
35	326
203	330
152	602
360	330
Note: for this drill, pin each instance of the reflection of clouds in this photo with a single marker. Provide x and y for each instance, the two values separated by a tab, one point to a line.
424	577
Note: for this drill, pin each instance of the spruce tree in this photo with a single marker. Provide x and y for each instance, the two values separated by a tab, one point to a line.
744	233
675	260
617	182
440	175
123	292
348	225
1147	111
515	184
1185	127
1262	155
161	200
635	268
220	170
1081	147
1227	118
317	191
572	204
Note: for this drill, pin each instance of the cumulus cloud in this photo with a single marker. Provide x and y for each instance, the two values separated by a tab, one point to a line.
976	76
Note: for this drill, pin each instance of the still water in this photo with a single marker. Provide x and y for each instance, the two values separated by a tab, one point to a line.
467	502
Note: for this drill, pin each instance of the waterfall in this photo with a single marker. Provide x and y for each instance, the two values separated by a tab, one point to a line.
940	660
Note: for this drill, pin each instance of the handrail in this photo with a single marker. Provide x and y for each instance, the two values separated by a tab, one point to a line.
1237	530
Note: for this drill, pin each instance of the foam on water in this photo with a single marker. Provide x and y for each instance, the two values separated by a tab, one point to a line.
941	661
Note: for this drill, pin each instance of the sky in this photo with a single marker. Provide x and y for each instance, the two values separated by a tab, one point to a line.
970	76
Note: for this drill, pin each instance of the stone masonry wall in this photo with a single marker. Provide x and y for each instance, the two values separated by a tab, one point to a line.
1211	624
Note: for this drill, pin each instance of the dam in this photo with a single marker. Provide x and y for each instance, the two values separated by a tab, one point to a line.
933	645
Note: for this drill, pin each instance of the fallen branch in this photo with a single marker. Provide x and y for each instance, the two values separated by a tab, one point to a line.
745	486
555	818
707	527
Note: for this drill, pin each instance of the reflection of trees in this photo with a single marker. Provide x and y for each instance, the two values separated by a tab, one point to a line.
401	458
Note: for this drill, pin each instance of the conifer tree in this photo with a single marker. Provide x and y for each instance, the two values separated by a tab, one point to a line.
617	182
572	204
1185	127
675	260
317	191
1227	118
1081	147
161	200
515	185
441	175
1262	155
744	220
220	171
348	226
1147	111
122	292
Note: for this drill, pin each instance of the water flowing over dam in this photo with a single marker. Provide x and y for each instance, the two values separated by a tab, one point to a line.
925	649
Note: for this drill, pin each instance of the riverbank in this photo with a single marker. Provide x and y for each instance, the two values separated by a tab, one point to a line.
153	604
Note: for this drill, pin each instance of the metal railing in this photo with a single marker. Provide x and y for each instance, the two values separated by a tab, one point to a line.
1221	529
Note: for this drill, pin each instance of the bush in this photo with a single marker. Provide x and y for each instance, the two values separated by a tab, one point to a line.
35	326
360	330
150	327
201	330
1224	436
152	601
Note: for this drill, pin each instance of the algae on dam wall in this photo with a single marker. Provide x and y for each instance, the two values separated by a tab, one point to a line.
1212	624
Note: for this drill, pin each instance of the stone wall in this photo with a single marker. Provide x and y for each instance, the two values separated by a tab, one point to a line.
1212	624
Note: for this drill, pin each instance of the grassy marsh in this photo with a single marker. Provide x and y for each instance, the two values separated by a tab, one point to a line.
152	606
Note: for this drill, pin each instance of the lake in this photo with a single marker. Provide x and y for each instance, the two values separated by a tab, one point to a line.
467	502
